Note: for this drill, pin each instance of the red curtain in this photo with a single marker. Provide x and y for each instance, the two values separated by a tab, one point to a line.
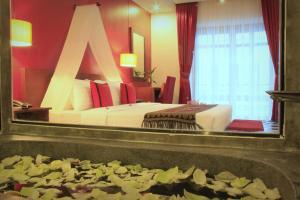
186	29
270	10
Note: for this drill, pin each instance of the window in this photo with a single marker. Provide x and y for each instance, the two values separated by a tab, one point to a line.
232	63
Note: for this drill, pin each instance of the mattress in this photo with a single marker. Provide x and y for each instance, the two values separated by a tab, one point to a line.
214	119
65	117
87	117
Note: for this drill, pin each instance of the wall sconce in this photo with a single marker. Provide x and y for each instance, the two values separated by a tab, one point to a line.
128	60
20	33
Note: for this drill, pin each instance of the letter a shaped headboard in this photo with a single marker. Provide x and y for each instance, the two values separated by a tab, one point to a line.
86	28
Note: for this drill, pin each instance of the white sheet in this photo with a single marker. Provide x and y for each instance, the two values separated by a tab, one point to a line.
65	117
214	119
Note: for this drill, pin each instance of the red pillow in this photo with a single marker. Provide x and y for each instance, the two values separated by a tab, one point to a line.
101	95
95	94
128	93
105	95
246	125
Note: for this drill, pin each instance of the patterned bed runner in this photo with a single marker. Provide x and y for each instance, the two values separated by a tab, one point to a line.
182	117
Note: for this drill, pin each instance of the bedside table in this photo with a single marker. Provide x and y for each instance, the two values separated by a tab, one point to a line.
157	91
32	114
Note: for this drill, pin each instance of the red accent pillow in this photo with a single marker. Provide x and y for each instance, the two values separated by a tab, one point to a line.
131	93
123	94
95	94
128	93
105	95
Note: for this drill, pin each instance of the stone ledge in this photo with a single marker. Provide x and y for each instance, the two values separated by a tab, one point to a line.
276	168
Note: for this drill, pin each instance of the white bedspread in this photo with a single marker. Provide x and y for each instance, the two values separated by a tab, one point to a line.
214	119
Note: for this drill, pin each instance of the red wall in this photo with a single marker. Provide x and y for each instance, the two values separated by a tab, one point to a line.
50	23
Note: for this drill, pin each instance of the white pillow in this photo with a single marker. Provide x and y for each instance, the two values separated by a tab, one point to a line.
69	105
115	91
81	95
99	81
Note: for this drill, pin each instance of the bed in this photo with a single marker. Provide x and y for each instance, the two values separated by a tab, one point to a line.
214	119
80	110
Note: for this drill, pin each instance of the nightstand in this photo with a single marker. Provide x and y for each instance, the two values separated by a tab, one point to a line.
32	114
157	91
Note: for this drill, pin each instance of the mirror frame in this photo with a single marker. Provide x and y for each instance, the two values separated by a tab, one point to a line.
131	42
102	134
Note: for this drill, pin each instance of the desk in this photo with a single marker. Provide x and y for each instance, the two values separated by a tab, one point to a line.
147	94
157	91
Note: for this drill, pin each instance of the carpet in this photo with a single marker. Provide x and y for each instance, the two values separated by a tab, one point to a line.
246	125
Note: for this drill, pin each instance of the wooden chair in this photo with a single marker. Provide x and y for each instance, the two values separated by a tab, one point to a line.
168	90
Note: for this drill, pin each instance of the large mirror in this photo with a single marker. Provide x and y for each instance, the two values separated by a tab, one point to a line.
138	48
209	73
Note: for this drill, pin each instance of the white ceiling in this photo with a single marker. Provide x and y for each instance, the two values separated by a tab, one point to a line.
165	5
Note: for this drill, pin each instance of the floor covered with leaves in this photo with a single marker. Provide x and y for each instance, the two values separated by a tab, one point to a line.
26	177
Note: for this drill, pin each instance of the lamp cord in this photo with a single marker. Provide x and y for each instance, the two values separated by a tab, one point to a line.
12	9
75	4
129	47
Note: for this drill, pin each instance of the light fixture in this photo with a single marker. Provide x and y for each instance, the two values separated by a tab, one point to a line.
128	60
156	7
222	1
20	33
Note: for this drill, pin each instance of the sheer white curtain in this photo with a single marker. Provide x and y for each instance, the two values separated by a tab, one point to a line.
232	63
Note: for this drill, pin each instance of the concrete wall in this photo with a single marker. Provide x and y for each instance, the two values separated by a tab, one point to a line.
164	48
292	71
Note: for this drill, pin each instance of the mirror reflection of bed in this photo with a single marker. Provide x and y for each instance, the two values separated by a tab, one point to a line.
129	114
217	86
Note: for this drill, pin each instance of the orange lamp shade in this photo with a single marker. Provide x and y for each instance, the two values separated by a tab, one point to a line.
128	60
20	33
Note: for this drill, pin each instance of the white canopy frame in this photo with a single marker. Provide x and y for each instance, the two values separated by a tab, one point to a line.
86	28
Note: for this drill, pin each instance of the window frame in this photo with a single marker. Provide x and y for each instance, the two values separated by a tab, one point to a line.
101	134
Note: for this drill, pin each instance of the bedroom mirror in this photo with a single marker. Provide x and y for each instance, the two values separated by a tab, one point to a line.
138	48
209	78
